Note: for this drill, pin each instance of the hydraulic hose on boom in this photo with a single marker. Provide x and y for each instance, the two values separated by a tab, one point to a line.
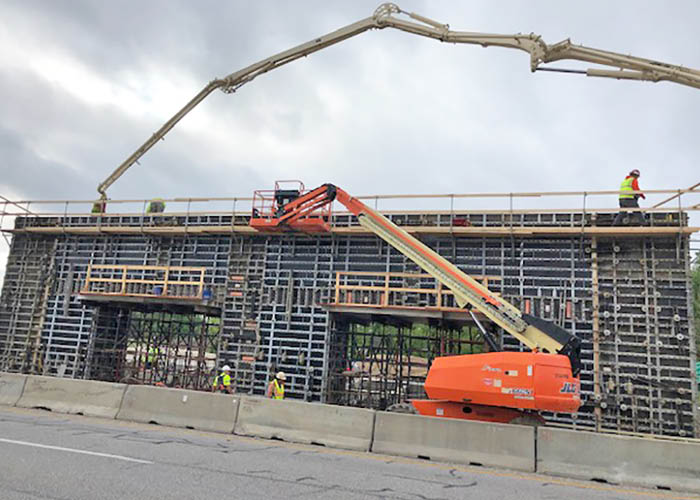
536	333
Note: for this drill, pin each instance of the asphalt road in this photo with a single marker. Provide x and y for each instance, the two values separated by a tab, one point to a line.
53	456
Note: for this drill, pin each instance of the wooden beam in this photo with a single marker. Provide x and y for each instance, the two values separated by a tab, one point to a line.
473	231
680	192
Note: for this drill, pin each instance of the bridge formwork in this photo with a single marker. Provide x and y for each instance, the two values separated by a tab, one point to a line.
169	300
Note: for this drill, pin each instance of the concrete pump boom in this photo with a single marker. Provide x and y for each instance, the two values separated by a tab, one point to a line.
626	67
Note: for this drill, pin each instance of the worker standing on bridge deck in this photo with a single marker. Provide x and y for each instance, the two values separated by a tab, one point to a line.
155	206
99	207
222	383
275	389
630	199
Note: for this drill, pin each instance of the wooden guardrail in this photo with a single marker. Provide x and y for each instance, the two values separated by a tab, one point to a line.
374	290
172	282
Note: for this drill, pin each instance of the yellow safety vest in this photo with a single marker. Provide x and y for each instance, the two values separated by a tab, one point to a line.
279	390
222	379
156	205
626	187
150	355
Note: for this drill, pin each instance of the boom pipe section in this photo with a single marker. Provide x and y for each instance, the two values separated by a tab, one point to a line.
631	68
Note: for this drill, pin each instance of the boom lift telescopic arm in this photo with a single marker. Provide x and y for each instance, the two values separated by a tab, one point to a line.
626	67
535	333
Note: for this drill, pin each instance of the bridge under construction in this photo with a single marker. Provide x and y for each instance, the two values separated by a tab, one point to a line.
168	298
357	306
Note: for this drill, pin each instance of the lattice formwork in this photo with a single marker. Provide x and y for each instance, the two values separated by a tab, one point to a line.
627	298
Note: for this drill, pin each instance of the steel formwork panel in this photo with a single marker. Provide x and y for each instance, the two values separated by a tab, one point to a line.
638	345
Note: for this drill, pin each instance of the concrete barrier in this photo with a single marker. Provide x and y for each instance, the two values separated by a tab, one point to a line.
311	423
460	441
86	397
619	459
11	387
179	408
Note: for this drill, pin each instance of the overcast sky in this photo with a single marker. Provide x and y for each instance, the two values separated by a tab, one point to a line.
83	84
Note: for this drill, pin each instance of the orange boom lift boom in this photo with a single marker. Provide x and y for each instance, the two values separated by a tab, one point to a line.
495	386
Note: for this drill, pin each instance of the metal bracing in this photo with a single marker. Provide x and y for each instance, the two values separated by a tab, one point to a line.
645	343
28	277
135	345
373	364
240	342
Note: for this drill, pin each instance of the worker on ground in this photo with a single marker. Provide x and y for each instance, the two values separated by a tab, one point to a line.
275	389
149	357
222	383
155	206
630	199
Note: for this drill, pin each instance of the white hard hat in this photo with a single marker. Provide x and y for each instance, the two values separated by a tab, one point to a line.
226	368
281	376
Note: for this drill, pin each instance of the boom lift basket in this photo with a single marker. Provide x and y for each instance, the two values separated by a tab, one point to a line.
268	207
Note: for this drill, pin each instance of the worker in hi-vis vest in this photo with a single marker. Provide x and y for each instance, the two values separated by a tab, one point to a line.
629	199
99	207
275	389
222	382
155	206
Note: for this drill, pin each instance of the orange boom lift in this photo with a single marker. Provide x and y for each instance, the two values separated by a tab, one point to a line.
495	386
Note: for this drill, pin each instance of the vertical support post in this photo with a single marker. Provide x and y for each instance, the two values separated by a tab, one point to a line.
65	218
201	283
692	332
337	287
2	219
233	216
290	297
123	280
385	299
143	214
187	216
596	331
87	278
166	280
510	212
